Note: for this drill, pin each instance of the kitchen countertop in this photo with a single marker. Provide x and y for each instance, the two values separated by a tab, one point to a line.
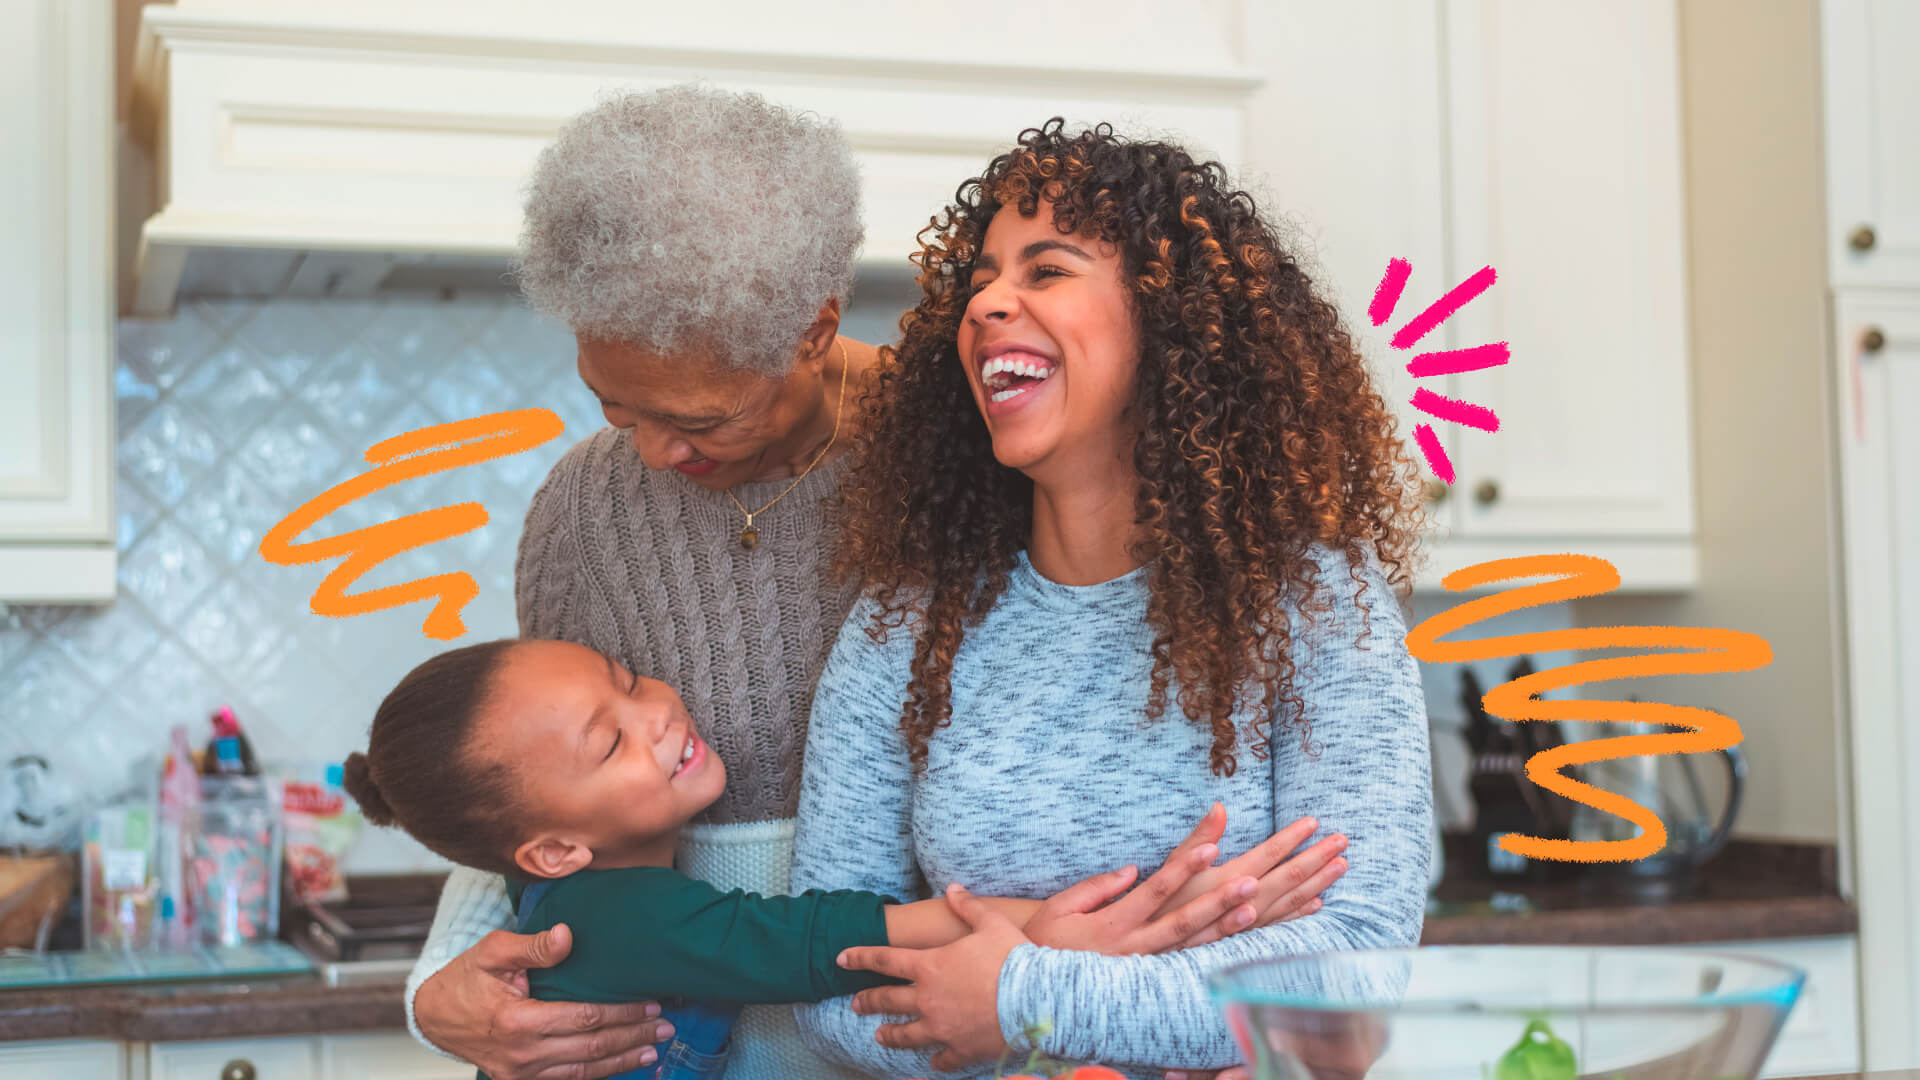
207	1009
1752	891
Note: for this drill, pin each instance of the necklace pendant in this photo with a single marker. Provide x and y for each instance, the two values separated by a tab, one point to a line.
749	538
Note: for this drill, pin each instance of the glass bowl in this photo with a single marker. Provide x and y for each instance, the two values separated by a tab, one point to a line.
1508	1012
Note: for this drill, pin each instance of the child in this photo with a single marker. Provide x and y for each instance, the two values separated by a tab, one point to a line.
548	763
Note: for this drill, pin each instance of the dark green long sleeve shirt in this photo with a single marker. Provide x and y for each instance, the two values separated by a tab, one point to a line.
645	933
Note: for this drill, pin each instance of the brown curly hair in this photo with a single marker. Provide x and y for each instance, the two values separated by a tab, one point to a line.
1261	435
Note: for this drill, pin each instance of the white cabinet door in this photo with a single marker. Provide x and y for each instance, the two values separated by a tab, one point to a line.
1565	177
260	1059
91	1058
385	1056
1822	1033
56	300
1877	395
1873	141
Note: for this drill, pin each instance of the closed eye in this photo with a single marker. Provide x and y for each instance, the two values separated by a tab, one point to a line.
615	744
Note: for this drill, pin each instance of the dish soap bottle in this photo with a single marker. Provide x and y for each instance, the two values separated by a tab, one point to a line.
228	753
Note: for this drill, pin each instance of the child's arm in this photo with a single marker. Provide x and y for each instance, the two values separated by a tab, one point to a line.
1163	913
927	924
647	933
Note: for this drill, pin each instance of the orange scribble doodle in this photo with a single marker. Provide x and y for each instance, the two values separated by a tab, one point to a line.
1701	650
417	453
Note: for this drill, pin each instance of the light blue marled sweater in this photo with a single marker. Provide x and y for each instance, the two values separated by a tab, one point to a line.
1048	774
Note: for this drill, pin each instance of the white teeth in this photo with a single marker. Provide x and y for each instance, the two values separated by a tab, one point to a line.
1005	395
1009	365
687	754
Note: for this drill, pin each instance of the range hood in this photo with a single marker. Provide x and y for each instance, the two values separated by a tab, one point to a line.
344	147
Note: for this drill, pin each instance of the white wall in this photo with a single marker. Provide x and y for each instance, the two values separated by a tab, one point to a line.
1763	445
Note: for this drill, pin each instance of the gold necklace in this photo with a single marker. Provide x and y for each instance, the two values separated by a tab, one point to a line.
750	536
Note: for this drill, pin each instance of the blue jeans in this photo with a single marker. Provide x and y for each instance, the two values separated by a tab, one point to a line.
702	1036
702	1031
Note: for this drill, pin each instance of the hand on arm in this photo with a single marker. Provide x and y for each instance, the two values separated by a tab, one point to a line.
478	1009
1187	902
952	987
926	924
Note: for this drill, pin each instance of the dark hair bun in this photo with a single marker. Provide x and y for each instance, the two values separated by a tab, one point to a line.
360	785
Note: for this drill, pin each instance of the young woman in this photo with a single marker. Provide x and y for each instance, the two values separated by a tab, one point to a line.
1128	516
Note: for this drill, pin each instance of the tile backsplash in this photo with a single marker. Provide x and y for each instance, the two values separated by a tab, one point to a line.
230	416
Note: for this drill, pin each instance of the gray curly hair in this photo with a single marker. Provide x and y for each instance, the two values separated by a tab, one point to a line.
693	217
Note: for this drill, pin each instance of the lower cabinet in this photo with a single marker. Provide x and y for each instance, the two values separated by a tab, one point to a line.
75	1058
386	1056
1823	1033
380	1056
292	1058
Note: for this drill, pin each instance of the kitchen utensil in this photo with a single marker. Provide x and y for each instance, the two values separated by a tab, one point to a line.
39	809
34	891
1507	1013
1505	801
1670	786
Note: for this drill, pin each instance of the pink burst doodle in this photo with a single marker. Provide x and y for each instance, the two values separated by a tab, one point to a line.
1445	362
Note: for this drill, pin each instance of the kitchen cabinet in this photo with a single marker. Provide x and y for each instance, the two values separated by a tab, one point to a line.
1876	389
56	301
1873	142
96	1059
356	135
1458	140
1564	175
1822	1034
1871	101
233	1059
386	1055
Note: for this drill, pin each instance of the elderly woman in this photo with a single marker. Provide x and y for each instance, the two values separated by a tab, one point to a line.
700	245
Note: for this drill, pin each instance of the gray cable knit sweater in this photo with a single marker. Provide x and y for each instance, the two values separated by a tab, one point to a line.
647	567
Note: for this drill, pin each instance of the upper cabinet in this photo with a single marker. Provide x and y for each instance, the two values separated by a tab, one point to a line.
361	136
56	301
1475	133
1873	159
1564	176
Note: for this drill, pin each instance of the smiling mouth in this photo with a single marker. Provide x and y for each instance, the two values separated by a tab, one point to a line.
1011	374
687	753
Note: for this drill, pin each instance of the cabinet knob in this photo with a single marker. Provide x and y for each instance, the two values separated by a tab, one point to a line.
238	1069
1862	238
1873	340
1437	491
1486	492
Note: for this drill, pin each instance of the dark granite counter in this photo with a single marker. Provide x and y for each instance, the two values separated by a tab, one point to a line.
287	1005
1751	891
